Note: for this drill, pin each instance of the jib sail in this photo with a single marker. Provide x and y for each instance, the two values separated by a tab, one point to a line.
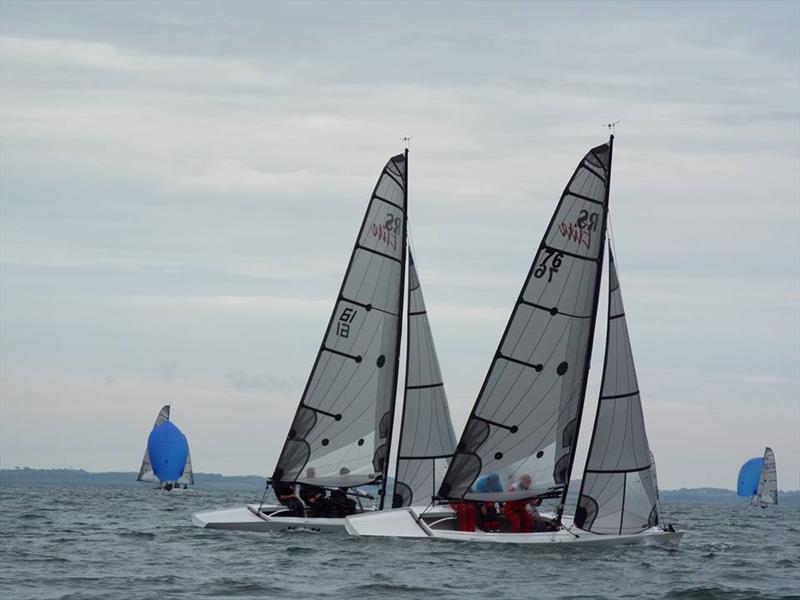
427	439
619	493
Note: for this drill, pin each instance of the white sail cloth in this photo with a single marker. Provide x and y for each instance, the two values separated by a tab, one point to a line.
524	421
767	492
341	431
619	492
427	439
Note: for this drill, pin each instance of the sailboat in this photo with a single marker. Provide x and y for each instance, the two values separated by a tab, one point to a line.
758	480
520	439
341	434
167	460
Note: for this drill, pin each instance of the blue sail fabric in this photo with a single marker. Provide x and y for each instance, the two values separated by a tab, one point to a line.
167	448
749	475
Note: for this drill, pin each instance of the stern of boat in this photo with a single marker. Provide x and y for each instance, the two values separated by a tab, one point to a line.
396	522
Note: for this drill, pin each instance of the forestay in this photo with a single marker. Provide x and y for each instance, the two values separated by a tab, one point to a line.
525	419
341	432
146	470
427	439
767	492
618	492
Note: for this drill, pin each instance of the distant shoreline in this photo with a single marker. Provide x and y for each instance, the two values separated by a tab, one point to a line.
705	495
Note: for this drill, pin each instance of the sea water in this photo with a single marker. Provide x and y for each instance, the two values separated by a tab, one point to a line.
138	542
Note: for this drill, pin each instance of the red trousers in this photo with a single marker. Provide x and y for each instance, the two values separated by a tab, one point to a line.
466	516
518	517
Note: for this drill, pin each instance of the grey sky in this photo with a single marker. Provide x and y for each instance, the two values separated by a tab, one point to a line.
181	185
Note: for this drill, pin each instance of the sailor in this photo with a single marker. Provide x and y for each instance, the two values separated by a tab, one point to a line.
466	515
340	505
314	496
488	517
285	493
516	511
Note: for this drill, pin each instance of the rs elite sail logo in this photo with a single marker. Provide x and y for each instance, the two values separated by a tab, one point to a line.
389	231
581	230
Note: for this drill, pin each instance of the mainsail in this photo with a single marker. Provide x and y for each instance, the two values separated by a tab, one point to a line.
767	492
526	418
427	440
618	492
341	432
146	470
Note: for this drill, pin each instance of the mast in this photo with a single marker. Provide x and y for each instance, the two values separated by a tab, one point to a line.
582	397
404	254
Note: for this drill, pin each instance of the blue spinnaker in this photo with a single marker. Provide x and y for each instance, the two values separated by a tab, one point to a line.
748	477
168	449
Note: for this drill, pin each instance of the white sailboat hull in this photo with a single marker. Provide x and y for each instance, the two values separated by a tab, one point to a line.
406	523
249	518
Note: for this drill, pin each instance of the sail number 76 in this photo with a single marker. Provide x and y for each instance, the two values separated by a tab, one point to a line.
554	264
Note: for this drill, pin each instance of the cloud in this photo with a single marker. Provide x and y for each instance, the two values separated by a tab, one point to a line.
250	381
185	188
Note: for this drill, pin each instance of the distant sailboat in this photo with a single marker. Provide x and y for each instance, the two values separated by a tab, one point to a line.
758	480
341	434
519	441
166	459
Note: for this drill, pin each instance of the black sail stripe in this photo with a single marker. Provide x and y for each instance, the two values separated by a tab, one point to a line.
613	471
551	308
572	254
394	178
595	173
367	306
379	253
586	198
422	387
617	396
387	201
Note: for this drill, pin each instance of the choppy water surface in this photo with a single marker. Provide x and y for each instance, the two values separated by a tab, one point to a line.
137	542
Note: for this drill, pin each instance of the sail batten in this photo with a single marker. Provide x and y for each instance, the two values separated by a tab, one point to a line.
341	432
427	438
619	493
526	417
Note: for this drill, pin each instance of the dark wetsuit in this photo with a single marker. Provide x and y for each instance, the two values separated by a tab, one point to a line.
285	493
340	504
314	498
488	517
